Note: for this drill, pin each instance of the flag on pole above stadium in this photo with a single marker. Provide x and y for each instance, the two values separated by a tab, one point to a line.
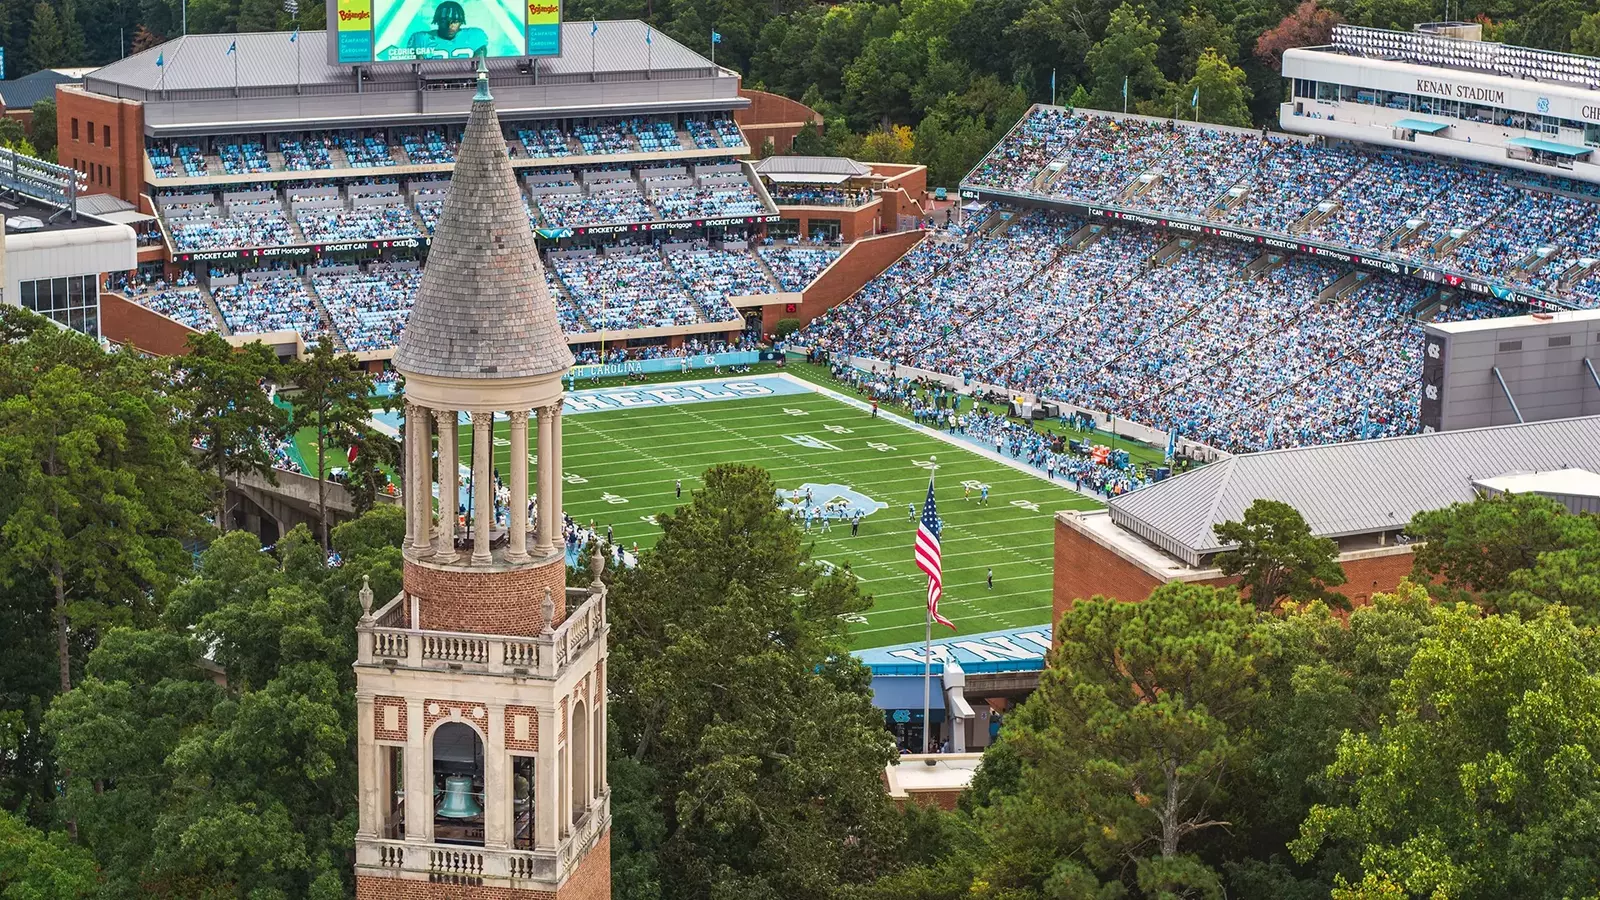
930	558
594	28
296	36
716	37
1195	102
161	60
232	47
647	35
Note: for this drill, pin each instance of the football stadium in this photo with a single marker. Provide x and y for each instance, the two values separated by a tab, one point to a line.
1113	297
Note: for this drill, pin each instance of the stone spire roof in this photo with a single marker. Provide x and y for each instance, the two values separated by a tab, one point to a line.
484	310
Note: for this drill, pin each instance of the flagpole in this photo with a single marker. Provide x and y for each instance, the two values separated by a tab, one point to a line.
927	674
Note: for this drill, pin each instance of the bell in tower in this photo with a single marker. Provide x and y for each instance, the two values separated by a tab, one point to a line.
481	686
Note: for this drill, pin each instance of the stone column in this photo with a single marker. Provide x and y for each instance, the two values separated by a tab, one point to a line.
444	533
369	771
518	551
546	795
555	463
482	487
421	477
549	476
497	789
418	776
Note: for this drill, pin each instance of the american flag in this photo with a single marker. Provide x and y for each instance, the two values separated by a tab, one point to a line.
928	556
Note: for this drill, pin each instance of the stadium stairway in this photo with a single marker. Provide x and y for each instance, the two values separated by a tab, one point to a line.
1318	214
336	157
1403	234
563	297
322	312
1171	251
216	311
1140	185
1227	200
1263	264
1342	287
772	277
1084	236
1576	272
1430	306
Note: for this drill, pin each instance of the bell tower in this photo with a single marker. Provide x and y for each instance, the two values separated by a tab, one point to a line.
481	695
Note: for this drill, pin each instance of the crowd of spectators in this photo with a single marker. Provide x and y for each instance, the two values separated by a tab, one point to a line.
306	154
712	276
177	159
796	266
428	146
365	151
542	141
602	137
626	290
279	303
246	223
1239	356
805	195
1475	220
180	301
598	208
369	308
361	223
242	157
655	135
706	202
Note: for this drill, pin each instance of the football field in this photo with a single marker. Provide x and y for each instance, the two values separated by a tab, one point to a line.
624	448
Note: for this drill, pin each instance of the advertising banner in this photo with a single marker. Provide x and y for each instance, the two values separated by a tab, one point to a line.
667	364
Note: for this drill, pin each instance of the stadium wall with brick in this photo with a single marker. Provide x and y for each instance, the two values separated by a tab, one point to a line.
591	881
125	322
861	262
772	116
85	123
1086	567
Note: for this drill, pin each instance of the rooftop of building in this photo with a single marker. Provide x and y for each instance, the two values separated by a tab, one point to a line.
1344	490
812	169
22	93
917	773
21	214
1458	46
1532	320
281	63
1573	482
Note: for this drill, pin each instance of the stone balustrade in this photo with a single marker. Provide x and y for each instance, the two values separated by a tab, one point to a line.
385	640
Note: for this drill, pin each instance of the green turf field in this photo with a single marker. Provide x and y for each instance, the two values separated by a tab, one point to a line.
620	467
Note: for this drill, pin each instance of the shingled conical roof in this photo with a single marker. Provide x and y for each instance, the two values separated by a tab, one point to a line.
484	310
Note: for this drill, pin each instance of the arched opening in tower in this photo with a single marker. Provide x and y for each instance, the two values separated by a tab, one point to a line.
458	786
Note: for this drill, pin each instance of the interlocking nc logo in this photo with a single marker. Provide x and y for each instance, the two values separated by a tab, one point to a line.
1431	391
1433	351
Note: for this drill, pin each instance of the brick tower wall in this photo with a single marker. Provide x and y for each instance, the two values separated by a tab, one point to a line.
481	601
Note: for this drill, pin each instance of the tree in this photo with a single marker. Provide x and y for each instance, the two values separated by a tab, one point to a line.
183	787
1127	747
330	397
1079	98
102	490
735	696
1125	60
35	866
1309	25
1483	782
1219	88
1477	546
1586	37
231	418
1278	557
46	40
889	145
12	134
43	133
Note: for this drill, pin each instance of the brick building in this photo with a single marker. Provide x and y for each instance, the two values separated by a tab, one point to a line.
1361	494
829	198
481	687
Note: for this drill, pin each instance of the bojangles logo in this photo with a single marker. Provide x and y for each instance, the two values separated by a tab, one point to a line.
356	15
542	9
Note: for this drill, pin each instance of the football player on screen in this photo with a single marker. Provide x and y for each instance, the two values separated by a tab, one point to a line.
450	38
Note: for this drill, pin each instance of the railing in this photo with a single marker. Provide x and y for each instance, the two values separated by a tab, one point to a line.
385	640
469	865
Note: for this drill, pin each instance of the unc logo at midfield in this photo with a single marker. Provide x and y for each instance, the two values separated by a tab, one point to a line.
837	501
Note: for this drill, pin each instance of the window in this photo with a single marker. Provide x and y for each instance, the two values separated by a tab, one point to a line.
73	301
1563	341
106	130
74	129
1509	346
91	131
